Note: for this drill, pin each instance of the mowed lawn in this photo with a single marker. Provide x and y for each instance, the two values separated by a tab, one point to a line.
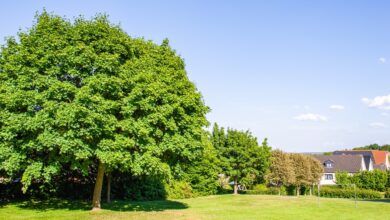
211	207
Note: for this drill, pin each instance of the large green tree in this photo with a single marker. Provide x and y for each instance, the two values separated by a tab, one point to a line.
84	94
240	154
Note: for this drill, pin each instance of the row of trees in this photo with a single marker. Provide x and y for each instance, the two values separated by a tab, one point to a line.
294	169
385	147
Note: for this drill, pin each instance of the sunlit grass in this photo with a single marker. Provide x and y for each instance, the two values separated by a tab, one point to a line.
212	207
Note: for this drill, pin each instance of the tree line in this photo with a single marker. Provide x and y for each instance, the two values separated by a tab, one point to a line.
385	147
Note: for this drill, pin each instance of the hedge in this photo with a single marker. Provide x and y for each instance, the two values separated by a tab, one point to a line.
267	191
332	192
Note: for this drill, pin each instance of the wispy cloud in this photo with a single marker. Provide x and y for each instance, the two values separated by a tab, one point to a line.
310	117
337	107
377	125
382	59
380	102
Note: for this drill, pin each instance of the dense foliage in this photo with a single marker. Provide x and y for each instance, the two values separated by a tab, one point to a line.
281	169
335	192
375	180
202	172
84	94
294	170
242	159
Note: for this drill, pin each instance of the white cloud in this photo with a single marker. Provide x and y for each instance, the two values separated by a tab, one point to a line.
385	114
382	59
310	117
380	102
337	107
377	125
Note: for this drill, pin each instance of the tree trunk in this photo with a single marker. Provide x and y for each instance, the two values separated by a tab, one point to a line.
235	186
109	188
298	190
318	190
97	192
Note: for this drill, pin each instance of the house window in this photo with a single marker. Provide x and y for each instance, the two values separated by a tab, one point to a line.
328	165
329	176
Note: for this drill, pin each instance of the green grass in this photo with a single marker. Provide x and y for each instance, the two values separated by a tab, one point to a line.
212	207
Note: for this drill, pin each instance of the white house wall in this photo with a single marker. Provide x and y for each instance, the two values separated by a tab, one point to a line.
324	181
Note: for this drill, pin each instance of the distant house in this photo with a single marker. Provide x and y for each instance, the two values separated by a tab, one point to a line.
351	164
376	159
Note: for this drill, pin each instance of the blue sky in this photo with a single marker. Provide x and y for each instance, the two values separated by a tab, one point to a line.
309	75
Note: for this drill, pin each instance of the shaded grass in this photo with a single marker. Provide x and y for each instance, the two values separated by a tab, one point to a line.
212	207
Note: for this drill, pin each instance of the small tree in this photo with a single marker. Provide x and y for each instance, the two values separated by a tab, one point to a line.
281	169
316	171
301	166
241	155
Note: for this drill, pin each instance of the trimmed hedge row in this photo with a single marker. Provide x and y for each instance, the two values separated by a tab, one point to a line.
332	192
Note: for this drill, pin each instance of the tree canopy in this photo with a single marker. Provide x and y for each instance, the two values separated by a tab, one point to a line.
240	154
281	169
84	93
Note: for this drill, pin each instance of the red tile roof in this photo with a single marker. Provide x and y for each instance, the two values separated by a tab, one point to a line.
379	157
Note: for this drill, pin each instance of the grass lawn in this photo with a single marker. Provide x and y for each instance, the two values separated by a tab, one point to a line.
212	207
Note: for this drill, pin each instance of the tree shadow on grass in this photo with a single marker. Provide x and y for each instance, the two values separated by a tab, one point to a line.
54	204
124	206
376	200
146	206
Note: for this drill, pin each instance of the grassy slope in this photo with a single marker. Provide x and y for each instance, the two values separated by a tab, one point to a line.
213	207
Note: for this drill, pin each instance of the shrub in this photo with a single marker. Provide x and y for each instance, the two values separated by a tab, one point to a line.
375	180
261	189
178	190
137	188
387	193
344	179
333	192
291	190
225	189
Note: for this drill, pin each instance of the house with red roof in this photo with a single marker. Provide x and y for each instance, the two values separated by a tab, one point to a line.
351	161
377	159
